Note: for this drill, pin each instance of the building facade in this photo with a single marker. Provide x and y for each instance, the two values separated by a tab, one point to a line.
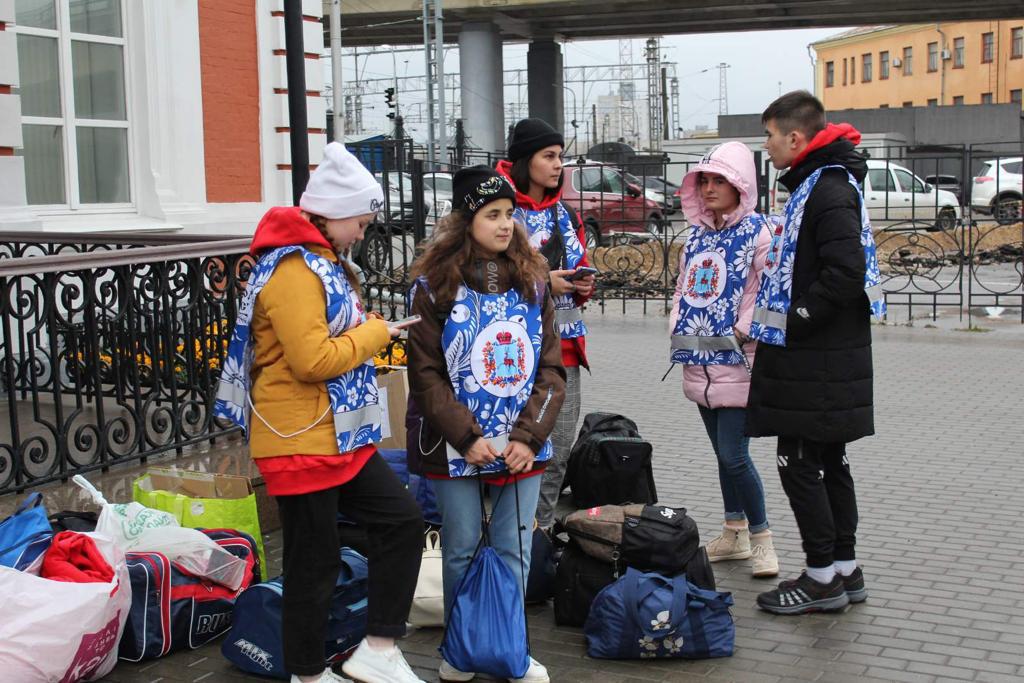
169	115
920	65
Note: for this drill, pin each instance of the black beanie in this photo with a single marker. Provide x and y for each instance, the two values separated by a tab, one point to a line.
530	135
476	186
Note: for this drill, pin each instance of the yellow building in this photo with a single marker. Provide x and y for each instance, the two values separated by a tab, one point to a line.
918	65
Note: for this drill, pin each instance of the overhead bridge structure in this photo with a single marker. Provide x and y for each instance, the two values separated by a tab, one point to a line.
480	27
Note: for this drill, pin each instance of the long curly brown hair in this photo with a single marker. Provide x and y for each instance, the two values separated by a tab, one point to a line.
452	248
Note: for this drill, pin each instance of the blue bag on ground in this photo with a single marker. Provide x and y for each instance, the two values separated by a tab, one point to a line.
173	610
649	615
254	642
486	631
24	535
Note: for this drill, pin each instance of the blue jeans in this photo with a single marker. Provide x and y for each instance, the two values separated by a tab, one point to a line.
742	490
459	502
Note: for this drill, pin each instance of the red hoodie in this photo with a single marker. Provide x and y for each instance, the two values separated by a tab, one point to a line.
286	475
574	351
826	136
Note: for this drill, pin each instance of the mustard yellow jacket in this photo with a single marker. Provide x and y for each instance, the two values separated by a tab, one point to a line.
295	355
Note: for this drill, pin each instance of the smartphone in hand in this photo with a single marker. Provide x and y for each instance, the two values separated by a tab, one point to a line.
406	322
581	272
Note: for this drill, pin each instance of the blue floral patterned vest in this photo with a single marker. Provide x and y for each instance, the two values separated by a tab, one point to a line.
354	402
717	263
492	345
775	294
539	224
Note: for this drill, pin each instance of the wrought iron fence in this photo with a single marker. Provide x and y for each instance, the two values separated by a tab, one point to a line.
947	223
110	356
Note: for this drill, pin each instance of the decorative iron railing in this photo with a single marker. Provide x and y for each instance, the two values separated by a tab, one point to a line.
111	354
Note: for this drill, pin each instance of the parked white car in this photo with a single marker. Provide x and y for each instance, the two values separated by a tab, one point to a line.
998	189
895	195
437	187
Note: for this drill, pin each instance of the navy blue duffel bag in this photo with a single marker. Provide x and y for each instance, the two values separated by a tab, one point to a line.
254	642
643	616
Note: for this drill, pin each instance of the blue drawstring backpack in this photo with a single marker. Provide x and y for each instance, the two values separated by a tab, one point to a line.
26	534
644	616
486	630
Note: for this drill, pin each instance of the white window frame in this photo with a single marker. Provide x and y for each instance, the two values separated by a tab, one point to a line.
69	123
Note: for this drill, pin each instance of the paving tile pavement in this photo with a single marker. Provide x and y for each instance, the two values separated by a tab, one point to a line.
939	493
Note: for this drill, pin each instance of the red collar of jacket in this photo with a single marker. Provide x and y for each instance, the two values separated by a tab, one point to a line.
284	226
825	137
524	200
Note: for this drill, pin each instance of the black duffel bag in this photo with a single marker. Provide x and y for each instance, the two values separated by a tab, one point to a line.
651	538
610	463
580	577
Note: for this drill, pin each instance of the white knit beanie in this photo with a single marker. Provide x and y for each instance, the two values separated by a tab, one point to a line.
341	187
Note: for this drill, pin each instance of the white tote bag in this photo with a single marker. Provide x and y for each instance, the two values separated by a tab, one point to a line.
62	632
428	602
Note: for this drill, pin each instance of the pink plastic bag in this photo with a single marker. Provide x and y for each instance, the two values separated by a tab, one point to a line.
62	632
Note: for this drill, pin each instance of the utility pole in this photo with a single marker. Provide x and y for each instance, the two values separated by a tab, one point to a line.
340	111
653	54
442	113
430	71
593	128
675	109
298	122
664	104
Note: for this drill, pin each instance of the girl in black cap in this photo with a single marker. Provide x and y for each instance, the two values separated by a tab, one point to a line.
535	168
485	369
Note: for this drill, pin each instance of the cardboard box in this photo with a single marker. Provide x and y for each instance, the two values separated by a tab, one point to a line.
393	389
196	484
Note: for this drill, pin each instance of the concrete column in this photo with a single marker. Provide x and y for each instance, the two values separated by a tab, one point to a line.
483	98
544	74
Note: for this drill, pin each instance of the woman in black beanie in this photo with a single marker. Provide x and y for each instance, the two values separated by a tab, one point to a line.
534	167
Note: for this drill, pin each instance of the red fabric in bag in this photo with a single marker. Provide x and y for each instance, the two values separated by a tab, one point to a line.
74	557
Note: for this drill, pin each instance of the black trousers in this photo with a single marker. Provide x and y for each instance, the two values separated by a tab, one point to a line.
816	478
376	500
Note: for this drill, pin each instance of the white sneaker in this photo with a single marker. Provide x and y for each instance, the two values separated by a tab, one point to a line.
537	673
447	672
327	676
765	562
379	666
731	544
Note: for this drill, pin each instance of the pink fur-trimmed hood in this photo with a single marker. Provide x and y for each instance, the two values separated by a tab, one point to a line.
735	161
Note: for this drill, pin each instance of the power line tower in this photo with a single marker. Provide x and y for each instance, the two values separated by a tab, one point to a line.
654	123
433	55
723	90
676	122
627	90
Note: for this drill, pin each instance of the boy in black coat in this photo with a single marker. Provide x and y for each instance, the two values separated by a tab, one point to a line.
815	393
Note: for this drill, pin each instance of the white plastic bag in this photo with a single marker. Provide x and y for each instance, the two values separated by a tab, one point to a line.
137	528
62	632
428	602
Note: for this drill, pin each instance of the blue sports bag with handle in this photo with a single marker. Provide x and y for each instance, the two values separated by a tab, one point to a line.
25	534
644	616
254	643
486	630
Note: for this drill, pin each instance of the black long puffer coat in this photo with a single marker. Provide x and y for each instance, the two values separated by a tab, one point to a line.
819	386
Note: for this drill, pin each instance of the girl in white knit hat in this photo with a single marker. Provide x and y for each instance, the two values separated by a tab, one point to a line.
300	380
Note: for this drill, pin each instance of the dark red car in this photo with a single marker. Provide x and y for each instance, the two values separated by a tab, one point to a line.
607	204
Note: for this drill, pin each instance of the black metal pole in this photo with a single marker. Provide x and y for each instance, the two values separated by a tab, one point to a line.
298	124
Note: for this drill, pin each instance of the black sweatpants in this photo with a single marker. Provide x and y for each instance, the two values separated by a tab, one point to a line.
376	500
816	478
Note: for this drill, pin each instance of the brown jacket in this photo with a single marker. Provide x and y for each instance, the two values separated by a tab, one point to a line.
432	390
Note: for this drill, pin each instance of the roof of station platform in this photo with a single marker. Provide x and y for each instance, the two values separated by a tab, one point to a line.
398	22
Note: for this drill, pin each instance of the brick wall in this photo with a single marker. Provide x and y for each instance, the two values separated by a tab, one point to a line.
231	107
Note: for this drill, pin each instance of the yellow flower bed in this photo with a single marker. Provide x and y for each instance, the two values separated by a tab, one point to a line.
394	355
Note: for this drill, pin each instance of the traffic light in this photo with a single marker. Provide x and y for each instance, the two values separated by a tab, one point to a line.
389	98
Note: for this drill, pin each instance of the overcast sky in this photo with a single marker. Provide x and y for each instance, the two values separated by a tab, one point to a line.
761	64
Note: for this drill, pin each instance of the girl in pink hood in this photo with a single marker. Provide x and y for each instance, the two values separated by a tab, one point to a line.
719	274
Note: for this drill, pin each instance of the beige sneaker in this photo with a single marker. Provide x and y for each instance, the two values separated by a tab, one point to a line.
732	544
765	562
